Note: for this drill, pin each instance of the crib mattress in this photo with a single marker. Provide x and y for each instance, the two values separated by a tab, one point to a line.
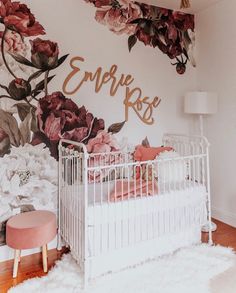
117	225
101	209
193	195
139	219
98	193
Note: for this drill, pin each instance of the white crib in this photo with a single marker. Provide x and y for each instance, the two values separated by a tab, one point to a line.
115	212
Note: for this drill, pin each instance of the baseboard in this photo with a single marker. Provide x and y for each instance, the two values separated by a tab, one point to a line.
224	216
6	253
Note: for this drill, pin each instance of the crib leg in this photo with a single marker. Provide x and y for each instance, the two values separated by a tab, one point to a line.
86	277
210	241
59	242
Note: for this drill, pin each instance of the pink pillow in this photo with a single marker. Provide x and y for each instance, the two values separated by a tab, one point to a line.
143	153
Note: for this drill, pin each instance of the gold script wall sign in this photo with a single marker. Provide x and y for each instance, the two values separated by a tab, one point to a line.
142	105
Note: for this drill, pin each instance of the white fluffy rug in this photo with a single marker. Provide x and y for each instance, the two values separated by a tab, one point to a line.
189	270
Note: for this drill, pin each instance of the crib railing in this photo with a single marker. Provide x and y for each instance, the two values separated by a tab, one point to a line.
90	183
139	179
72	206
187	145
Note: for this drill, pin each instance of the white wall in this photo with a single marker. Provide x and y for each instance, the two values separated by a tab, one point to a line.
74	27
71	23
217	72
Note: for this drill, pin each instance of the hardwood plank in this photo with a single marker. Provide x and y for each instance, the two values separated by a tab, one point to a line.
31	266
225	235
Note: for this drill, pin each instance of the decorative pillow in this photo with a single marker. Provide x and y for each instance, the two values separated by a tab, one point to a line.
172	171
146	153
143	153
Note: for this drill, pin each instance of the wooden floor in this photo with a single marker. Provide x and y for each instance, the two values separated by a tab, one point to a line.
31	266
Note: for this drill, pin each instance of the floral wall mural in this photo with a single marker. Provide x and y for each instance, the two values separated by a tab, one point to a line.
170	31
33	119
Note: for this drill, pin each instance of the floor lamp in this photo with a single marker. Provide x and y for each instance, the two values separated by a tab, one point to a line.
201	103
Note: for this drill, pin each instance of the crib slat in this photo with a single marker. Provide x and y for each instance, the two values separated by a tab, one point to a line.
109	202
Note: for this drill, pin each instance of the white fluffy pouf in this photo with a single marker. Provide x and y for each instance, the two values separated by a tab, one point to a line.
188	270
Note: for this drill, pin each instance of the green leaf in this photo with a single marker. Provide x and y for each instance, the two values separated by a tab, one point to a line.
137	20
4	146
40	86
9	125
154	11
22	60
61	60
26	208
145	142
144	22
131	41
34	122
23	110
148	28
35	75
25	128
116	127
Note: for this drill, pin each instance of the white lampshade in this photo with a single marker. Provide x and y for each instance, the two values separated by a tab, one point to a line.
200	103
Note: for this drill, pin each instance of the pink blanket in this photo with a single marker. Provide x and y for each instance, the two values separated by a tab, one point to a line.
130	189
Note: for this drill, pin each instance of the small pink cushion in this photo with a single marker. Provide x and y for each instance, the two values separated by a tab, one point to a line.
31	229
143	153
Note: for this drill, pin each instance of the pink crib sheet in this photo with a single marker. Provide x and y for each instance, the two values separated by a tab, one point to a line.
124	189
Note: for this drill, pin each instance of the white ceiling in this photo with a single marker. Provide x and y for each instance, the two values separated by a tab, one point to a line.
196	5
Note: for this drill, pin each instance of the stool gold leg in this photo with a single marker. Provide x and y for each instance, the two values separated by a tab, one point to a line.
45	261
16	261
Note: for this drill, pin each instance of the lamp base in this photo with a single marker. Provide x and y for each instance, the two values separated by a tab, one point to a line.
206	227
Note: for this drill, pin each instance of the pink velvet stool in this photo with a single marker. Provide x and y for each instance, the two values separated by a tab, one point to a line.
30	230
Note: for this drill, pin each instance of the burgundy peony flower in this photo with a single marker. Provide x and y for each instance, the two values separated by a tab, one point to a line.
18	17
99	3
6	7
44	54
59	117
118	17
4	143
183	21
143	36
19	89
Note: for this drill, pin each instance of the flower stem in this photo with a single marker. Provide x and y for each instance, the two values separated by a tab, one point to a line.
46	82
89	132
3	54
28	103
35	99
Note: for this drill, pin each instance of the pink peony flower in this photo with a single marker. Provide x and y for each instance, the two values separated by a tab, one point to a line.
104	142
14	43
102	147
118	17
